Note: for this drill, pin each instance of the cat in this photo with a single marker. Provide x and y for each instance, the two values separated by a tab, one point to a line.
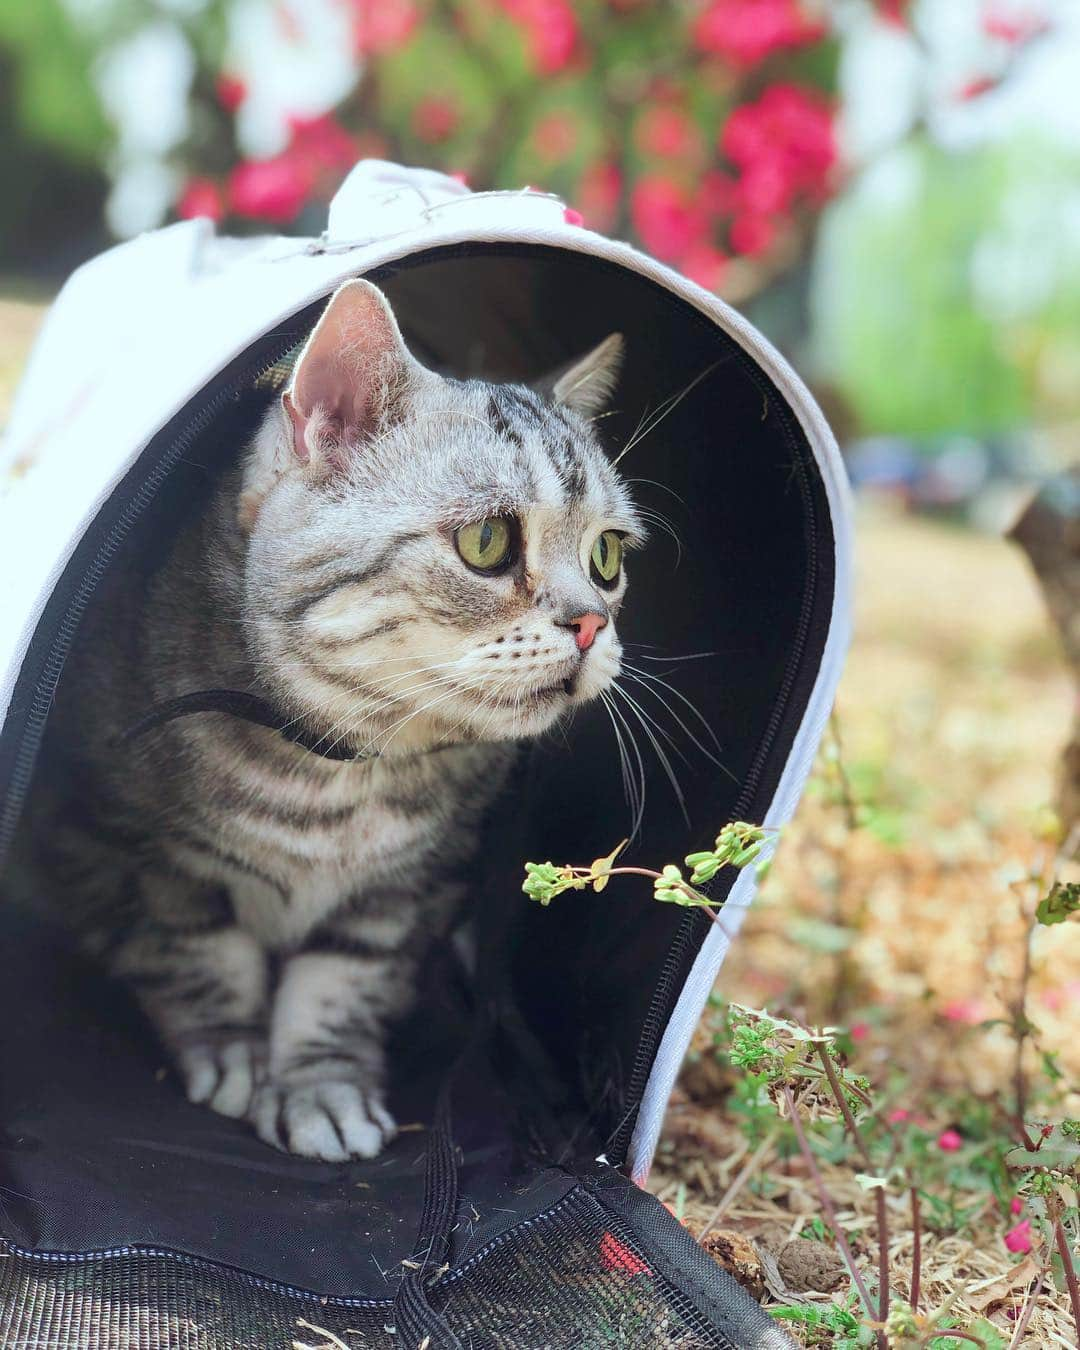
416	568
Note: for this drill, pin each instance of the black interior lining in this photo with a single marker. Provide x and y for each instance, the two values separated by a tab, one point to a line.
593	979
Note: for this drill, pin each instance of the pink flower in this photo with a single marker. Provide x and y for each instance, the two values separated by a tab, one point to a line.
967	1010
785	147
1015	1205
949	1141
201	197
1018	1239
572	217
321	143
898	1115
551	28
982	84
752	234
1013	28
382	25
705	264
745	32
231	92
555	136
669	222
669	134
270	189
892	12
598	194
435	118
860	1031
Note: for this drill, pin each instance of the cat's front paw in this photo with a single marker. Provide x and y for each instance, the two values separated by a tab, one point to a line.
223	1074
332	1121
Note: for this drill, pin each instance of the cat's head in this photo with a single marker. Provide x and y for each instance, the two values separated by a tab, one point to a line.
431	559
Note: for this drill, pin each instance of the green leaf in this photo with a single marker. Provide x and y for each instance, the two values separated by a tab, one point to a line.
1062	902
1058	1152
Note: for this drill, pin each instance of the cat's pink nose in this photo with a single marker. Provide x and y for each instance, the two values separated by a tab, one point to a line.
586	627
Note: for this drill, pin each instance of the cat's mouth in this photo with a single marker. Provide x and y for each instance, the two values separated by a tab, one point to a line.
531	697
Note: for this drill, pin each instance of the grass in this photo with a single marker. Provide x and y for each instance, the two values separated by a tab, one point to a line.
893	910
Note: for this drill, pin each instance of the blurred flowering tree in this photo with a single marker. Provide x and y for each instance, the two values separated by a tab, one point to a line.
704	128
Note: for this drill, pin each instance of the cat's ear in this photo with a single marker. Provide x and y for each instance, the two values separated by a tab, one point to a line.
586	386
351	379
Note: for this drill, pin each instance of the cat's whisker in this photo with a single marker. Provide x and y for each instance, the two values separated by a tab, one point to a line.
641	656
628	785
616	713
665	410
652	482
648	678
659	750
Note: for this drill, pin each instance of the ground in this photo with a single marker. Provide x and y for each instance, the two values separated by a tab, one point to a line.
952	714
890	912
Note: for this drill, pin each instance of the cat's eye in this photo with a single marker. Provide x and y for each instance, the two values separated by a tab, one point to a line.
487	544
606	557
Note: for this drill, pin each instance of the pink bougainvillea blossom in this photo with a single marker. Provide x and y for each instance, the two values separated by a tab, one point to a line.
382	25
752	234
1018	1239
270	189
669	219
975	88
1013	25
555	136
745	32
598	194
669	133
231	91
551	29
321	143
201	197
705	264
435	118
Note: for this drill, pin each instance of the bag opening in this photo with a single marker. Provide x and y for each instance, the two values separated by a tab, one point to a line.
101	1151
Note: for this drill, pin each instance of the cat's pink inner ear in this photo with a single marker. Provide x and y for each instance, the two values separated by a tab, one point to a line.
348	370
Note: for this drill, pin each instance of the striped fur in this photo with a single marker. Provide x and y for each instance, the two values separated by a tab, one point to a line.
271	908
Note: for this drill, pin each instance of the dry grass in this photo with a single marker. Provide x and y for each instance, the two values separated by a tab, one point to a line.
953	710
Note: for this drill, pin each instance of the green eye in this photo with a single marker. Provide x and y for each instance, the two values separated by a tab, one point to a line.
485	545
606	557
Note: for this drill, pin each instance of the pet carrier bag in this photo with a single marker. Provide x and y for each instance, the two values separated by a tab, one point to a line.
512	1213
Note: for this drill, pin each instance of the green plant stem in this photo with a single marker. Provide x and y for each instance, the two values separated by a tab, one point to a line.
1070	1272
841	1102
827	1205
916	1249
700	901
864	1153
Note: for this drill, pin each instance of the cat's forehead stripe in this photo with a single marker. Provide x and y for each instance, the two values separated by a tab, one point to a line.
518	414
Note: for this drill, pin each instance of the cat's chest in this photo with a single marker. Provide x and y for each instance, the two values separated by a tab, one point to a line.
335	840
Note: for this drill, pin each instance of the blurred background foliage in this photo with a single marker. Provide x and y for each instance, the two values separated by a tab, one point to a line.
890	187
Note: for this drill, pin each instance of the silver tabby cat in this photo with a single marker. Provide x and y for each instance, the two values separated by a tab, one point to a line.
425	568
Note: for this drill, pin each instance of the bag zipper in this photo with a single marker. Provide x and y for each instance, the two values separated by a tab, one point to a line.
693	930
45	688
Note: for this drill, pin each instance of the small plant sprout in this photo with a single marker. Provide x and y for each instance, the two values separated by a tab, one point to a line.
737	845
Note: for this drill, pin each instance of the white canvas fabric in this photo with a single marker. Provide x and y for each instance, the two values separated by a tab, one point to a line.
138	331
